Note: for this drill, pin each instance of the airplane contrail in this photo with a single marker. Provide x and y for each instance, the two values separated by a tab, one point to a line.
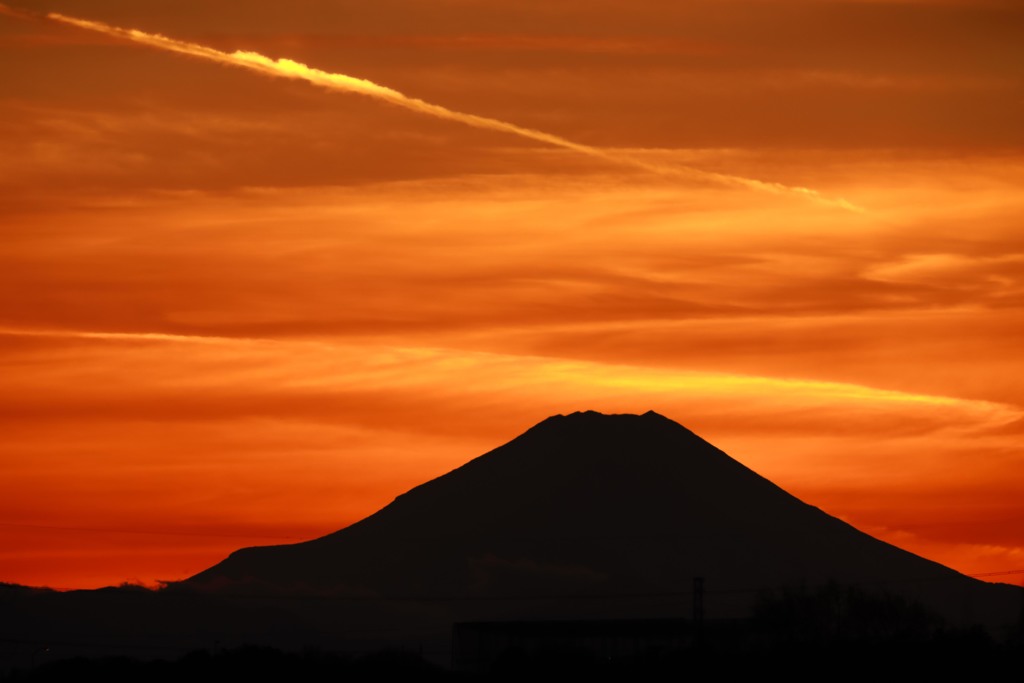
287	68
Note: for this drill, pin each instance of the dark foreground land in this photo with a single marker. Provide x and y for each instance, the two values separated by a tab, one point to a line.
959	656
831	632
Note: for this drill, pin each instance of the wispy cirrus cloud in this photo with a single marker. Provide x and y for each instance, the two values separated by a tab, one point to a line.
287	68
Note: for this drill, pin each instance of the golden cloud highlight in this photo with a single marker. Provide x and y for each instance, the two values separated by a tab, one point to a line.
388	367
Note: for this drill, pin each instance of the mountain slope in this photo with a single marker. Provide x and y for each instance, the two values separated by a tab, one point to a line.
591	514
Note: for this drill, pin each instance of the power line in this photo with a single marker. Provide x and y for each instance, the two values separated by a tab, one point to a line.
1003	573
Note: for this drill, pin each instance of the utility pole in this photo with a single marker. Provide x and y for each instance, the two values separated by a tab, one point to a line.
698	610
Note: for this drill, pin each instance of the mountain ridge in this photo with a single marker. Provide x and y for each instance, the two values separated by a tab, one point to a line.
595	504
584	519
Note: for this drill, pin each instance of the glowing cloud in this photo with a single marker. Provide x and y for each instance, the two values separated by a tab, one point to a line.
422	365
286	68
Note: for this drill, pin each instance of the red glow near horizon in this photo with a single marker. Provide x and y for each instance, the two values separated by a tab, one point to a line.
240	311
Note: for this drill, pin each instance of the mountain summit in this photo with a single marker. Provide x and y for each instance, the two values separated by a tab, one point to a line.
598	515
587	525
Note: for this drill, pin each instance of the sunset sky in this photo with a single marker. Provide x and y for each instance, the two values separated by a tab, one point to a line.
239	309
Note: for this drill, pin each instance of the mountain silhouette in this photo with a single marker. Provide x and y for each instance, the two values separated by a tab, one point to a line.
599	516
586	526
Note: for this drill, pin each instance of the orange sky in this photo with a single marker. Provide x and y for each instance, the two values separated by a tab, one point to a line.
238	310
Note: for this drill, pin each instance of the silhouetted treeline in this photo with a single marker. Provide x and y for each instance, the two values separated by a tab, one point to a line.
830	632
836	613
847	632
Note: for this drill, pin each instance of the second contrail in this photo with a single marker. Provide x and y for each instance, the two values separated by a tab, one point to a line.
287	68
